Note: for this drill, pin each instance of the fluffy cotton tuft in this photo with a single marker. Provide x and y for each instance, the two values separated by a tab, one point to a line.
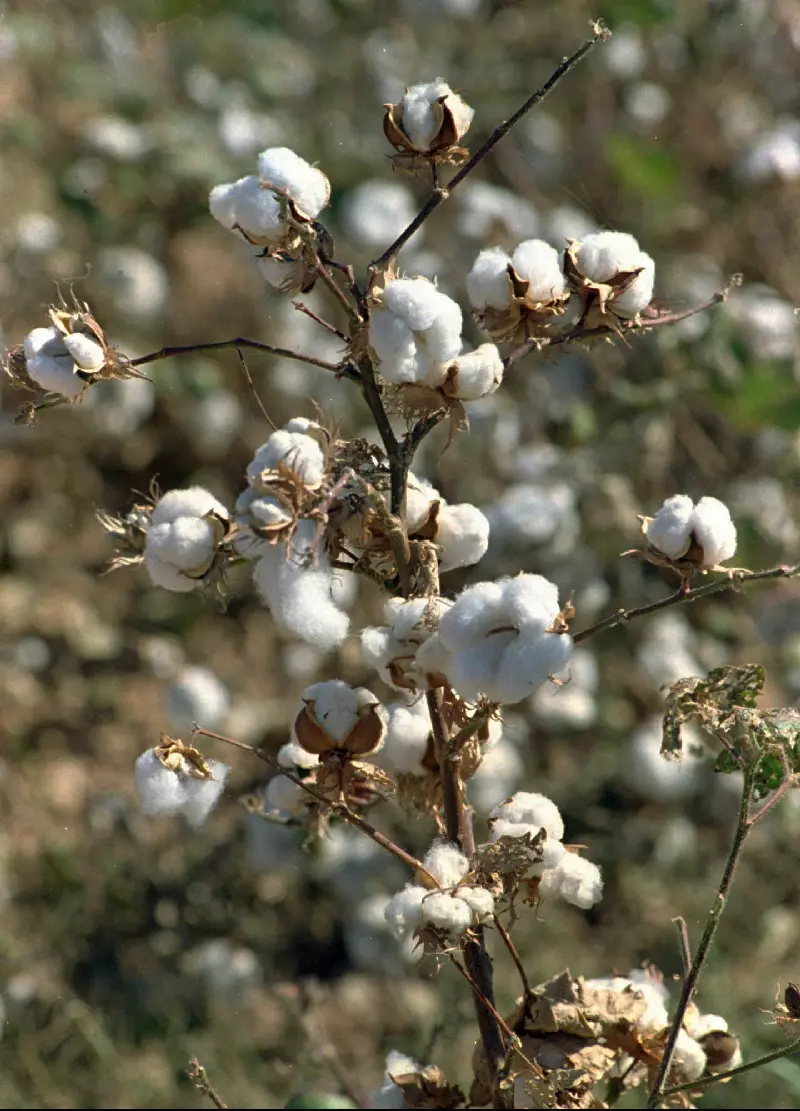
403	911
421	117
182	538
494	640
679	524
488	283
528	808
575	879
414	330
295	450
391	648
299	596
536	262
446	912
476	374
50	365
279	168
390	1097
407	731
163	792
601	256
462	535
446	863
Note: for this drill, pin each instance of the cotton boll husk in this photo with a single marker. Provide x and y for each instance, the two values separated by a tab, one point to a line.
604	254
202	795
446	863
540	264
478	373
480	902
285	171
285	795
488	283
639	293
446	912
196	696
407	732
528	807
194	501
714	531
670	530
244	205
477	611
161	791
462	536
655	1018
404	910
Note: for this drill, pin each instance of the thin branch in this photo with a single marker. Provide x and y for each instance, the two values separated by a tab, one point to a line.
197	1075
439	195
345	369
398	469
303	308
340	808
686	949
512	949
731	582
620	328
253	389
707	1081
743	826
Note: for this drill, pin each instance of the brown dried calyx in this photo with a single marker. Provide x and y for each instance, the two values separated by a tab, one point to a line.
427	1087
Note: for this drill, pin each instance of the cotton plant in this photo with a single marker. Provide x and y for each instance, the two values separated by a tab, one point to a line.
425	723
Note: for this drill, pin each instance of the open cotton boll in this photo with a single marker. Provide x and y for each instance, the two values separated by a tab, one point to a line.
488	283
202	795
527	807
639	293
407	731
476	374
403	911
161	791
182	538
49	364
671	529
295	450
714	531
395	346
194	501
540	264
86	352
475	612
679	523
420	496
446	863
602	255
293	754
446	912
462	536
337	708
575	879
413	328
414	300
552	850
689	1058
283	170
196	695
655	1018
422	116
245	206
527	663
480	902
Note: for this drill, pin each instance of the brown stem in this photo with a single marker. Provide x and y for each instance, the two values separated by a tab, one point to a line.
686	949
731	582
340	808
303	308
439	195
458	826
743	826
197	1075
707	1081
398	468
343	369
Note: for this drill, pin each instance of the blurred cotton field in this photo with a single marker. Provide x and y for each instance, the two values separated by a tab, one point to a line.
132	942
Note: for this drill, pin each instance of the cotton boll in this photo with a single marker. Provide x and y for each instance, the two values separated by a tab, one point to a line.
420	496
337	707
86	352
539	264
670	530
202	795
654	776
528	662
639	293
161	791
462	535
476	611
446	863
414	300
421	116
293	755
375	212
407	732
196	696
446	912
245	206
714	531
187	543
194	501
531	808
395	346
404	910
488	283
690	1058
531	601
604	254
476	374
576	879
370	942
49	364
480	902
283	170
302	454
389	1096
167	576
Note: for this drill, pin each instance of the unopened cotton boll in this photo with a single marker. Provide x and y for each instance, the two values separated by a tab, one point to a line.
446	863
680	524
462	536
602	256
536	262
475	374
196	696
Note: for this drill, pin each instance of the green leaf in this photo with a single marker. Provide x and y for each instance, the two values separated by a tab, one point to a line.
642	167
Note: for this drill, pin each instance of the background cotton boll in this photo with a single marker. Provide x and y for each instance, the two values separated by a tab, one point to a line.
666	652
370	941
500	771
375	212
483	207
773	155
647	102
567	222
285	171
273	847
137	283
462	536
226	970
656	778
540	264
769	323
196	696
488	283
534	513
446	863
670	529
573	705
37	232
285	796
626	56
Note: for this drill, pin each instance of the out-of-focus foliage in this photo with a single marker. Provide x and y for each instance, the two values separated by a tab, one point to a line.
129	945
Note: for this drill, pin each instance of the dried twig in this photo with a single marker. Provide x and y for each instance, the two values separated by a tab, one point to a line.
344	369
197	1075
707	1081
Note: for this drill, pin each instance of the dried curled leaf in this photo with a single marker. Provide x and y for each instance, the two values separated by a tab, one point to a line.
428	1088
178	756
